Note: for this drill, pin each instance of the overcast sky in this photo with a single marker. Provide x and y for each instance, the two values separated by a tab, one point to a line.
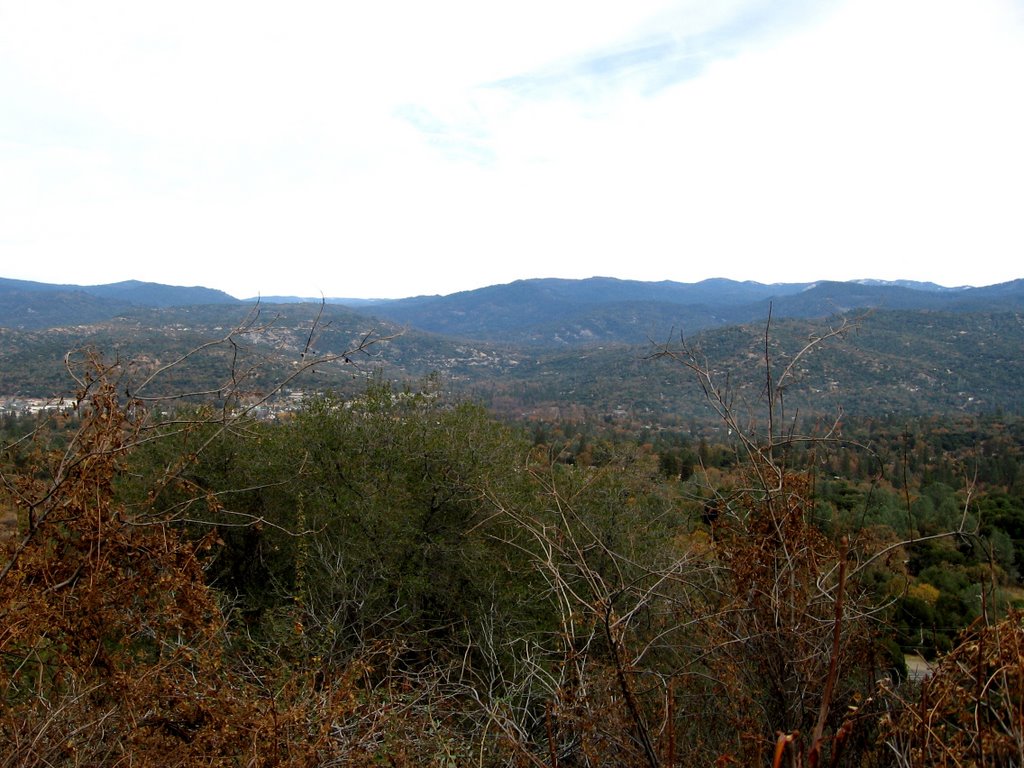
391	149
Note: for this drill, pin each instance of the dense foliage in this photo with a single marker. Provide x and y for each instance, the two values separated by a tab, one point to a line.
398	578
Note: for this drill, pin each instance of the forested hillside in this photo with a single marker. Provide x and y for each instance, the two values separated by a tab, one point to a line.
584	313
30	305
886	363
397	577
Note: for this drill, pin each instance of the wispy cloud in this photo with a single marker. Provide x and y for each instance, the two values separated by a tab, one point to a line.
671	47
647	64
462	141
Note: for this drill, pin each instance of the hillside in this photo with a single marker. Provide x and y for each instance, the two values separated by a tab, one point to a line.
349	552
574	313
578	312
889	364
264	344
30	305
539	313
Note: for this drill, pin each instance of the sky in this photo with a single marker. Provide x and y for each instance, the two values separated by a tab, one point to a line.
396	148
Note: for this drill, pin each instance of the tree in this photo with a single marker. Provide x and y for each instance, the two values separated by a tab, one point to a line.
791	644
113	646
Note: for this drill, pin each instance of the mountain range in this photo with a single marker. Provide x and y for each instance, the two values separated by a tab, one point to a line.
31	305
550	347
541	312
557	312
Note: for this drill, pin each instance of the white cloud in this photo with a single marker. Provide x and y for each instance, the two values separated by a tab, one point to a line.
401	148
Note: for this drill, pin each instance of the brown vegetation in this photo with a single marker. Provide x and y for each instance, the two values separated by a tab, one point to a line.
613	621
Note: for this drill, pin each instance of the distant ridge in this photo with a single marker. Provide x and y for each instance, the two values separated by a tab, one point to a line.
31	305
159	295
536	345
540	311
132	291
606	310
